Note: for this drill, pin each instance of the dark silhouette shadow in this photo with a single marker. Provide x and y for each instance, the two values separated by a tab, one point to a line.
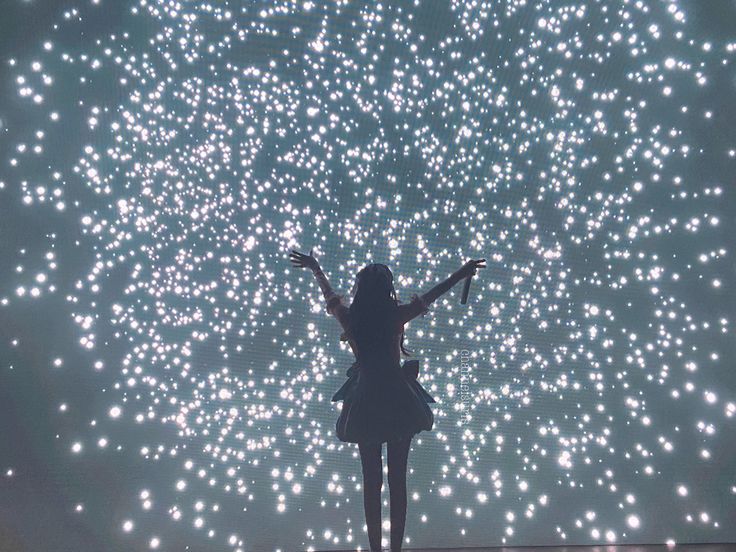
382	400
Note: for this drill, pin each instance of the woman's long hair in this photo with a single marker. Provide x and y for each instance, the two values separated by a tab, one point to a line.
374	309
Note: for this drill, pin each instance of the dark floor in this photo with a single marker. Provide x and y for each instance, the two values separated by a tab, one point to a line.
708	547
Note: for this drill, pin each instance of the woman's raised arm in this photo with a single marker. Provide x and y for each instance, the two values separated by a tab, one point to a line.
334	302
420	304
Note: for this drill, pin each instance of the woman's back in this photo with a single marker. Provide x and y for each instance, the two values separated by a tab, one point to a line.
379	342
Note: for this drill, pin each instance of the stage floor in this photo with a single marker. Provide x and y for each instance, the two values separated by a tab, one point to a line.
707	547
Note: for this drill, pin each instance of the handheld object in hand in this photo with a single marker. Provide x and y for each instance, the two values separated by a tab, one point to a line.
466	291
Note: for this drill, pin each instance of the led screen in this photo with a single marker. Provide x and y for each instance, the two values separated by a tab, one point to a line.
166	374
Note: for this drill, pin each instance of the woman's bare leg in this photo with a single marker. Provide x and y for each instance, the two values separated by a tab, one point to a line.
398	455
370	458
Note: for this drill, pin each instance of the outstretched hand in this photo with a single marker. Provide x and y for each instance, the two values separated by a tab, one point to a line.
471	267
303	261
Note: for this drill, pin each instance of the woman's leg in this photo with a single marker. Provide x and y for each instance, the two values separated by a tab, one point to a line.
370	458
398	455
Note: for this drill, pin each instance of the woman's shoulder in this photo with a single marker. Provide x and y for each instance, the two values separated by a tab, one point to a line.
417	306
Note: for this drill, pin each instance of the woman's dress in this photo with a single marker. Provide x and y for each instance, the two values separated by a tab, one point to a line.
382	400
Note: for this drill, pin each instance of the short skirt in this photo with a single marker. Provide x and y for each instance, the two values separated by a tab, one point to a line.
382	403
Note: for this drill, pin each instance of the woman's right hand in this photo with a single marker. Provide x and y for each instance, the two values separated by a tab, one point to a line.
471	267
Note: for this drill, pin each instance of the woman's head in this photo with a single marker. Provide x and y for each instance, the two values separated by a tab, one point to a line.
374	307
374	280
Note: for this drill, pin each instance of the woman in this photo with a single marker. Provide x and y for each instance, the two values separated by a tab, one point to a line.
383	403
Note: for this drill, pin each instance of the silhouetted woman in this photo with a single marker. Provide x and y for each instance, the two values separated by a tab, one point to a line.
382	401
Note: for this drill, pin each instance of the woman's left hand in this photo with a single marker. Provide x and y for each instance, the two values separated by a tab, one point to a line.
303	261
